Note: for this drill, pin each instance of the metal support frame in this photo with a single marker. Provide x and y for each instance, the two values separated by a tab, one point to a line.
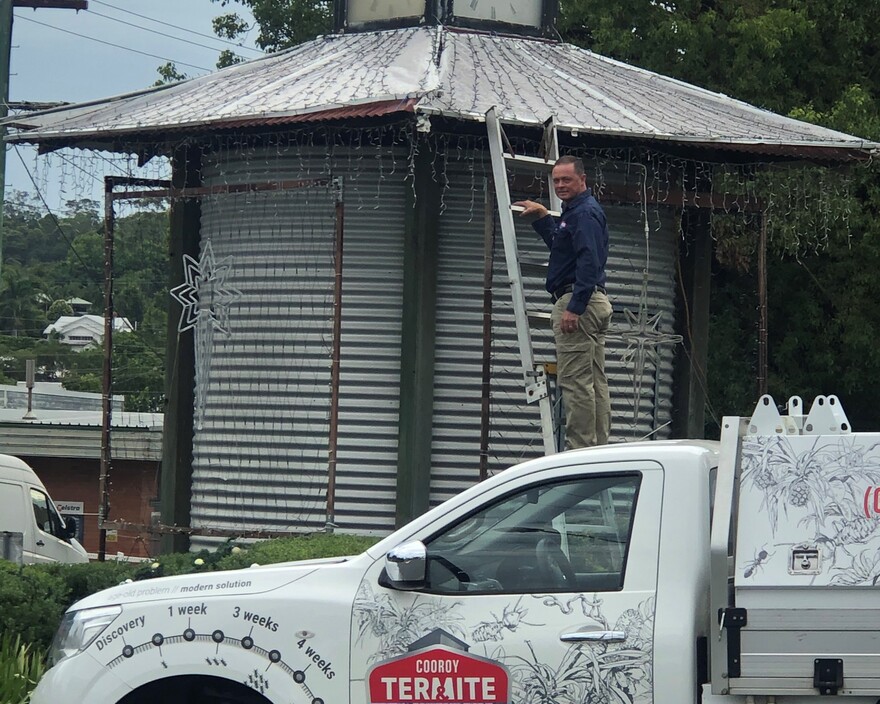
762	308
488	274
179	190
723	527
694	273
335	358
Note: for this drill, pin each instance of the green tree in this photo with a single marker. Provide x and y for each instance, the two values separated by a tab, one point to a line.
57	309
169	73
814	61
56	258
138	372
20	313
780	55
281	23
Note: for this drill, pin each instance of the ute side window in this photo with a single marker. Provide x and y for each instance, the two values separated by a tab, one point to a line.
46	515
570	535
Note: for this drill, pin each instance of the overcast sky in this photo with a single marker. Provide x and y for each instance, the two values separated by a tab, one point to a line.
63	55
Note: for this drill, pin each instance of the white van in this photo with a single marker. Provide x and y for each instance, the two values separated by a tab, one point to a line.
26	509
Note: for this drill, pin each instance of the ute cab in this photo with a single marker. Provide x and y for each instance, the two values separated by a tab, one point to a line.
33	530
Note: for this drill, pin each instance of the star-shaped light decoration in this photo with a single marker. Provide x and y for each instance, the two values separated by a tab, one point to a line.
205	293
643	336
206	299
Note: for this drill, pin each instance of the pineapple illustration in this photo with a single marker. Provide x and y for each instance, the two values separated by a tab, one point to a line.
799	492
763	478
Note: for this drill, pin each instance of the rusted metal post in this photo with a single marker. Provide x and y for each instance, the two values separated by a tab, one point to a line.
488	265
107	377
333	442
762	307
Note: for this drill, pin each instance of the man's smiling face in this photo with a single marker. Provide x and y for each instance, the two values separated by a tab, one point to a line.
567	182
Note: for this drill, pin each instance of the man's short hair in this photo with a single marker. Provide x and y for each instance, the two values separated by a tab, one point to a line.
575	161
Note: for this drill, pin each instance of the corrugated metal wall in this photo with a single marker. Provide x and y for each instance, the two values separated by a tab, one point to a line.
458	379
372	307
260	455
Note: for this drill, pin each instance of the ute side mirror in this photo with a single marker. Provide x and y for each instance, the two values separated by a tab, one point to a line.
405	567
70	527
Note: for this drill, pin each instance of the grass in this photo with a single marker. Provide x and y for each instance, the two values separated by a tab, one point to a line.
20	669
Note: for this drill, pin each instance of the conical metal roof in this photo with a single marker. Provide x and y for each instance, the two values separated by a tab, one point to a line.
441	71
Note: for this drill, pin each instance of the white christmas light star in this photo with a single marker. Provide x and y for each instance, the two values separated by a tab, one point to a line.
206	299
205	293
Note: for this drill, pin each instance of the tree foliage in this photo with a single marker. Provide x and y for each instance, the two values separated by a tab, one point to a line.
169	73
50	260
280	23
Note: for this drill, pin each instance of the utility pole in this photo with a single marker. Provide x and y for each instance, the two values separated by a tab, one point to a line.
6	7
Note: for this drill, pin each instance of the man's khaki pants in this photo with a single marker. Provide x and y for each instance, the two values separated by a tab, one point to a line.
580	372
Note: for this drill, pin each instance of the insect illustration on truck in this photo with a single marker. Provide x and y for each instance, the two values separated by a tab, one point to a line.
590	607
751	567
510	620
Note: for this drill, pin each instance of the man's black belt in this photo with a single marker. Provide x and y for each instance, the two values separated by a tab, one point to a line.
568	288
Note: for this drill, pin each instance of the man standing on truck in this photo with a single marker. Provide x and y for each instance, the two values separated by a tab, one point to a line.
578	243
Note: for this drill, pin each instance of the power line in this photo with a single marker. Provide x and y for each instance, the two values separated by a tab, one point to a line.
182	29
154	31
117	46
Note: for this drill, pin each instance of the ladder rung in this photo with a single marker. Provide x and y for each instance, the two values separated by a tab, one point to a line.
539	319
519	209
532	163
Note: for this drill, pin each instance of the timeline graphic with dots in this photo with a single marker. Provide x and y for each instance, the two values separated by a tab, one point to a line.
258	679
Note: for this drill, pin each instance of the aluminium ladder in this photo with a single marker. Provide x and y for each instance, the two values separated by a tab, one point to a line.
534	374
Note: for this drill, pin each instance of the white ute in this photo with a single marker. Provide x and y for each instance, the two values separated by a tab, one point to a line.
585	577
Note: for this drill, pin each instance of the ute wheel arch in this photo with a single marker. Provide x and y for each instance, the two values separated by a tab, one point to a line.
194	689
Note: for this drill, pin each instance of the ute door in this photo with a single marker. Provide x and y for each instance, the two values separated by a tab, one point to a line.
539	594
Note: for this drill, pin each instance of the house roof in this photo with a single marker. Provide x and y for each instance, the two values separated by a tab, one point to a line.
136	436
440	71
91	323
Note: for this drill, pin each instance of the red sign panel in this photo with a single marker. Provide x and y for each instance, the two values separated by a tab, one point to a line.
439	675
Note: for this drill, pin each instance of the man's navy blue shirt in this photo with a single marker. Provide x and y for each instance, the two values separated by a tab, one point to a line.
578	244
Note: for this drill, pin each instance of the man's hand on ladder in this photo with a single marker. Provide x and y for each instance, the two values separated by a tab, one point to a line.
529	209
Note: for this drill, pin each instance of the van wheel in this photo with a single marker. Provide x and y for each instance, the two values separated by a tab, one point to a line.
194	689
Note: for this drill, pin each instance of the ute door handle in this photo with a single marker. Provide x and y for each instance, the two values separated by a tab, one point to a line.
41	544
593	637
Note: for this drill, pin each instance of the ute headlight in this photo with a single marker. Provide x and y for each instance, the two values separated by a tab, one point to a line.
78	629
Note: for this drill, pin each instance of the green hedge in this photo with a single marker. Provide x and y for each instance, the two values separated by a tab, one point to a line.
34	597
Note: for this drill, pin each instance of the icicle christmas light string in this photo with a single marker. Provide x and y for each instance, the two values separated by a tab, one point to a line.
361	153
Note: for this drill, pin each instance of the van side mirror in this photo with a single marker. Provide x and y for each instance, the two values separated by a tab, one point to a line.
70	527
405	566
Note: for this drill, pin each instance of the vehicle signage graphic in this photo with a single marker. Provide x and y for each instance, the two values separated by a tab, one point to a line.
438	675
